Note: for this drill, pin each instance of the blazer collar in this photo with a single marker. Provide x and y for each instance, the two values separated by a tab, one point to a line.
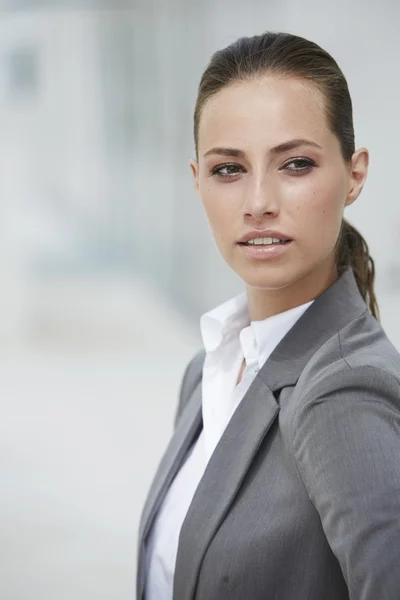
340	304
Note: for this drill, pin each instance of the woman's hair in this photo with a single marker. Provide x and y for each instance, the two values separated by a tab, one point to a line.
289	55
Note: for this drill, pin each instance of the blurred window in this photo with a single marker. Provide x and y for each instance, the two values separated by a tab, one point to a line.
22	72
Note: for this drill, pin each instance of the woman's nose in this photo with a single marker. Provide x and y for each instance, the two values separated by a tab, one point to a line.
261	200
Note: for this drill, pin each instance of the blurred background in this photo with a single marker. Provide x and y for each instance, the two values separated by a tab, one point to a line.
106	260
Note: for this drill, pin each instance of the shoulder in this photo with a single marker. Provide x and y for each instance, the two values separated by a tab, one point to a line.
353	378
361	353
349	389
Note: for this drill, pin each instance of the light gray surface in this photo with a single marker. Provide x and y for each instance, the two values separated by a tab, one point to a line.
75	425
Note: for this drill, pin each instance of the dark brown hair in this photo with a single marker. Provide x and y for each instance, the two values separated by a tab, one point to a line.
289	55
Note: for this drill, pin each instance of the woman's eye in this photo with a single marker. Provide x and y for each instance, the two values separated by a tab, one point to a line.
227	171
298	165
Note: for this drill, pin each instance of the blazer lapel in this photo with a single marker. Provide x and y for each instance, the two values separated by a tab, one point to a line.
221	481
188	429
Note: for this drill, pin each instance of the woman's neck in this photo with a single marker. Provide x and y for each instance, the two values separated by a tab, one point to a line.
264	303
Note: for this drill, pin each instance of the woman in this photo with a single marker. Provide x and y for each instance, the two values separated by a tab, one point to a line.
282	478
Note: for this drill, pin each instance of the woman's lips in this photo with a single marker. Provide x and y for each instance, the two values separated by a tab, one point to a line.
265	252
263	233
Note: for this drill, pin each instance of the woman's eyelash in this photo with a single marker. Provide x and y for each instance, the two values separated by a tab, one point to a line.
218	170
305	163
302	165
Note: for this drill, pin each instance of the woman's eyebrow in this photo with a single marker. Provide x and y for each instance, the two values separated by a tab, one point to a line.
284	147
226	152
291	144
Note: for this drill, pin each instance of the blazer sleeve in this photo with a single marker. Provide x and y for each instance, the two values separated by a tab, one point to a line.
191	378
346	442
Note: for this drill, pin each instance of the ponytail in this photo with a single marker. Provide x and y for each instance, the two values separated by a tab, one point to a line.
353	251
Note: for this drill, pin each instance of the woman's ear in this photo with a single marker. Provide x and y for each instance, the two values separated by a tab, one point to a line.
195	170
357	174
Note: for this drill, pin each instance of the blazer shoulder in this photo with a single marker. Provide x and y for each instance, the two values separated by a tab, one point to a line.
191	377
361	345
365	343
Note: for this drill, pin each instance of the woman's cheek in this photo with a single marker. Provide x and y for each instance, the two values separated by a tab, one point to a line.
322	205
210	206
219	211
316	219
218	219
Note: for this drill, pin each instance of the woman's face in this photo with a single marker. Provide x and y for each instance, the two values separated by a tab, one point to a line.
268	167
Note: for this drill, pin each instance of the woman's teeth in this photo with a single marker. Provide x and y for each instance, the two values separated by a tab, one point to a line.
265	241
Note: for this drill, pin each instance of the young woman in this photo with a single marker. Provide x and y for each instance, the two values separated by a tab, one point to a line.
282	478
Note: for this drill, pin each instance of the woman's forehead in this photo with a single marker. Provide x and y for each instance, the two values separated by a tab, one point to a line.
270	107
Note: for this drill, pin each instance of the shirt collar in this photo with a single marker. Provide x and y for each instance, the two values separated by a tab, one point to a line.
269	332
231	317
224	321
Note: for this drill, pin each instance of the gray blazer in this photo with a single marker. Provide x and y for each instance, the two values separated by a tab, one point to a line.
301	498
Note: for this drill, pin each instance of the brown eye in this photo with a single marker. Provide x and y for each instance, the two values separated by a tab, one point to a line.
299	165
227	170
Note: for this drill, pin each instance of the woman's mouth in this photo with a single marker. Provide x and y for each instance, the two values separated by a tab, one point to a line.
265	241
265	248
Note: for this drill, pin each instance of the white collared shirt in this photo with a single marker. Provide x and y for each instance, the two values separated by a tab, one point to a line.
228	337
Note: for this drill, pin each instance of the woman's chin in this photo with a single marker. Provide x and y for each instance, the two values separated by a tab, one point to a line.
268	278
